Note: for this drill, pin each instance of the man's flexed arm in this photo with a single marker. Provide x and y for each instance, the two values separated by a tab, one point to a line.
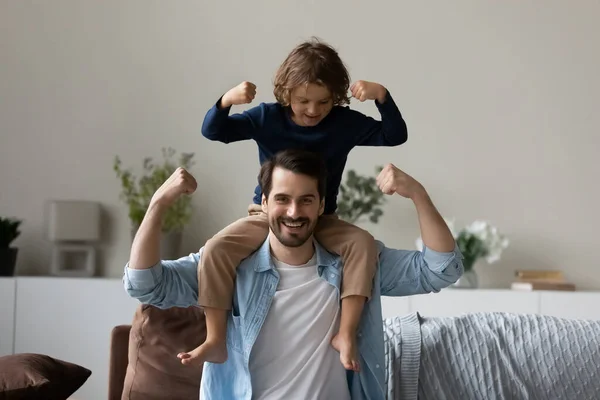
145	250
405	272
162	283
434	231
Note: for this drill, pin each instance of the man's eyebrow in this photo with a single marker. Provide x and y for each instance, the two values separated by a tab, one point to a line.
313	196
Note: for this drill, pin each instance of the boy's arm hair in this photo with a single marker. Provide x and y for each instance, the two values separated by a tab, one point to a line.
390	131
218	125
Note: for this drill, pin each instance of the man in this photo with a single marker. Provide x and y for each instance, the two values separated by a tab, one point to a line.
286	303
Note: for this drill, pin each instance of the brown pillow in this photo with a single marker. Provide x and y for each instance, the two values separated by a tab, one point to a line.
36	376
156	337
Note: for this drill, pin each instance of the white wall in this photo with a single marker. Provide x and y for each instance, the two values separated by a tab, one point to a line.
500	99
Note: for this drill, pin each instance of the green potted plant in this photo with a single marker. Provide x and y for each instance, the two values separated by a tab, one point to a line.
9	231
360	198
137	192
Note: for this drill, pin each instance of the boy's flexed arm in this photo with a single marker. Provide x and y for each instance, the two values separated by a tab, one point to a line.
220	126
391	130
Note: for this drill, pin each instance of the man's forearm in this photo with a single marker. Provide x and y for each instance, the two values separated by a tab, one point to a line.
145	250
435	233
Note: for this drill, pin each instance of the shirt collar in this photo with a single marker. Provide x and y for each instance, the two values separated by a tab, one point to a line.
264	260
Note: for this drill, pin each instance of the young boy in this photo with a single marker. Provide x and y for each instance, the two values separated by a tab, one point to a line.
311	88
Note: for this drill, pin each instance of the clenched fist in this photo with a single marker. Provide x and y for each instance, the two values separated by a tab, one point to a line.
179	183
392	180
243	93
363	90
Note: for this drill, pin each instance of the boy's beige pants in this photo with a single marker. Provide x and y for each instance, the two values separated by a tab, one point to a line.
224	252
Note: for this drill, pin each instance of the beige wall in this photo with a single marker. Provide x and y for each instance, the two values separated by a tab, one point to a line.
500	98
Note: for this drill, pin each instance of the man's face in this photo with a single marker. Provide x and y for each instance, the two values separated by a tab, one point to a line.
293	207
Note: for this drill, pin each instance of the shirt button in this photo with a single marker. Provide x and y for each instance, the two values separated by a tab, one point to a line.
332	276
376	365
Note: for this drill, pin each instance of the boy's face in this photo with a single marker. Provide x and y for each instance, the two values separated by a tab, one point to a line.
310	103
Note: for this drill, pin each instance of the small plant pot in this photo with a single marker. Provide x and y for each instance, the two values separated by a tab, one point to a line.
8	260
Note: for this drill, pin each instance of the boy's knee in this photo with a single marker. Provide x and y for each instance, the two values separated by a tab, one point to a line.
364	237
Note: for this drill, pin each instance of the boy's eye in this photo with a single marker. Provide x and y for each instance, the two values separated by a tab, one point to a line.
307	201
324	101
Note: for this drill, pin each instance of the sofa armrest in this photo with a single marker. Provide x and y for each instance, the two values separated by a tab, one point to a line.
119	345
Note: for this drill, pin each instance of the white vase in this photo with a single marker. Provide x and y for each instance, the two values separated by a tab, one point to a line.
468	280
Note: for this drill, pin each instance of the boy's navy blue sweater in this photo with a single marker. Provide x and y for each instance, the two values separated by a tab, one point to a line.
271	127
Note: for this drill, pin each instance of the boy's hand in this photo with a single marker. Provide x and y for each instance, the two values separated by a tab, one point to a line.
243	93
392	180
179	183
363	90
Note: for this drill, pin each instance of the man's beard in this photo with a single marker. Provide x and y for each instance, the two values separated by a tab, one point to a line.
290	238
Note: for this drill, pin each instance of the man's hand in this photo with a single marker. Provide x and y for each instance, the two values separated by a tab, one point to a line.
363	90
392	180
243	93
179	183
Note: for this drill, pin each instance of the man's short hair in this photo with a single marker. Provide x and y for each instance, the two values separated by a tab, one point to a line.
297	161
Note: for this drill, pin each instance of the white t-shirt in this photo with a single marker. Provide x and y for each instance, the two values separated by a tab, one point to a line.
293	357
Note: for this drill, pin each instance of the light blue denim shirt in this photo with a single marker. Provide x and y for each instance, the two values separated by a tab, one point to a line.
400	273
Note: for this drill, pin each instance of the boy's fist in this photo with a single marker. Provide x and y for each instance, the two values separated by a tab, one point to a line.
179	183
363	90
243	93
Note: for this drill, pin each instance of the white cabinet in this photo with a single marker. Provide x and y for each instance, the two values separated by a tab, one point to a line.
448	303
7	315
578	305
453	302
71	319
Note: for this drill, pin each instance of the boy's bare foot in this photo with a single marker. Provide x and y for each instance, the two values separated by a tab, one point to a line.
347	347
213	351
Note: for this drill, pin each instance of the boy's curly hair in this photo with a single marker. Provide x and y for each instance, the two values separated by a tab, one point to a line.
312	61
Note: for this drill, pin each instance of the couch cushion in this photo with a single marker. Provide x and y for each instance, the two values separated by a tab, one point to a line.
37	376
156	337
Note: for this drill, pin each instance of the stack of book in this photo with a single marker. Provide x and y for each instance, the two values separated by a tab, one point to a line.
541	280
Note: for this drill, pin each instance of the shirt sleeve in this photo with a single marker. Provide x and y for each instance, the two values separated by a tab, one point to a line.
405	272
219	126
390	131
172	283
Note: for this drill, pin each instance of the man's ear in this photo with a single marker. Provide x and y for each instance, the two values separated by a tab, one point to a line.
263	204
321	207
